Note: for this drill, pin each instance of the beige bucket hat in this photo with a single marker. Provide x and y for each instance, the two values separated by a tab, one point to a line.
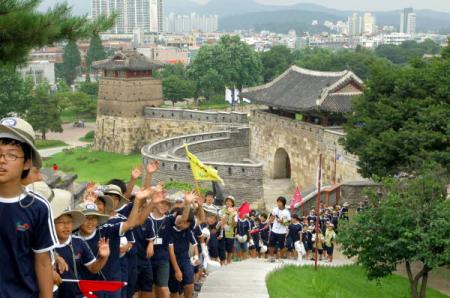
112	189
20	130
61	206
90	209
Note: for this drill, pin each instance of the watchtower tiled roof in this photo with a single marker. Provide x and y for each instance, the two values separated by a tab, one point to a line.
299	89
127	60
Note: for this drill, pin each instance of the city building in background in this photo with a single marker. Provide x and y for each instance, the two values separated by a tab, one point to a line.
40	71
193	22
146	15
408	21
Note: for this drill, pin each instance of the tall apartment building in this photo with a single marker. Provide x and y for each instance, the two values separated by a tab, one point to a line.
188	23
146	15
370	26
408	21
355	24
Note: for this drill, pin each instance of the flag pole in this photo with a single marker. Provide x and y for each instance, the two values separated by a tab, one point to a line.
335	168
303	205
317	212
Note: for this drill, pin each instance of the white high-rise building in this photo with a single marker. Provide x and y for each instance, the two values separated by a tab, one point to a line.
355	24
131	14
188	23
370	26
408	21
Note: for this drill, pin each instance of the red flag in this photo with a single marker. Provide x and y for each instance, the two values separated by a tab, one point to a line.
296	200
244	209
88	287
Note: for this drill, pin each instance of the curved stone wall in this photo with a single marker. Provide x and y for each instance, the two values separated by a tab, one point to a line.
243	178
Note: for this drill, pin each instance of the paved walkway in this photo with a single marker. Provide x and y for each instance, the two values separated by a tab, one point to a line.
248	278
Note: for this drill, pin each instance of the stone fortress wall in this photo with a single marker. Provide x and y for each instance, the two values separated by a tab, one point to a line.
302	142
125	135
227	151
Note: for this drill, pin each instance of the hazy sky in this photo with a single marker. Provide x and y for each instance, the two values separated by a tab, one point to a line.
439	5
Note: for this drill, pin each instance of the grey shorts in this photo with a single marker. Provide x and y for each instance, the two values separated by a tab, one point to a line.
240	246
161	274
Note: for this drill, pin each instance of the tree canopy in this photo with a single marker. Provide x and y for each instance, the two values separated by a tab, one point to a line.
95	52
71	62
176	89
23	27
15	93
43	112
408	223
402	118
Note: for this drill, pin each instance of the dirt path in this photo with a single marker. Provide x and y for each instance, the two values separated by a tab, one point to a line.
71	135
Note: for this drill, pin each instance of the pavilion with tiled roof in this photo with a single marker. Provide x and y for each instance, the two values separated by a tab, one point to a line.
320	97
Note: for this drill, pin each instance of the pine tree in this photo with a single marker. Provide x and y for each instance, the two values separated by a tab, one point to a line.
95	52
23	27
71	62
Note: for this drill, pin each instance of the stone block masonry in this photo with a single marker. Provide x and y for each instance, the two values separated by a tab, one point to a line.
128	134
302	142
243	178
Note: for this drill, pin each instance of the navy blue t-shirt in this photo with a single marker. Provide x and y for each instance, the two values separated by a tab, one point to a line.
26	228
294	230
180	241
92	242
242	227
112	230
125	210
77	254
143	234
162	227
264	231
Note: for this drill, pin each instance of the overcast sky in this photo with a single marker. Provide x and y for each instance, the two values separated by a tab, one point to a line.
439	5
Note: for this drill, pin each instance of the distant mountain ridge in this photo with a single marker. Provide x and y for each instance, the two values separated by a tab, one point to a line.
245	14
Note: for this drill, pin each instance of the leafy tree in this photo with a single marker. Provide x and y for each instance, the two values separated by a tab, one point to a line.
401	119
275	62
43	113
407	51
358	61
71	62
95	52
78	102
61	85
83	104
446	51
234	61
15	92
90	88
176	89
408	224
176	69
24	27
211	83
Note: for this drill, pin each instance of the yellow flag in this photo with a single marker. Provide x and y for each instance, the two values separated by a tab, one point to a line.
201	171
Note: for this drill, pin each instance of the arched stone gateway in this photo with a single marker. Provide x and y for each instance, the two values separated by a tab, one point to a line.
281	165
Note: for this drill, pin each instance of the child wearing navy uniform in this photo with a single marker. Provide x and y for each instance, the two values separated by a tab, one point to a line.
27	230
73	249
242	237
294	234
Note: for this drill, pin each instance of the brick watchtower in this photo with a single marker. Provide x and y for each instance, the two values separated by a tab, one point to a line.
127	86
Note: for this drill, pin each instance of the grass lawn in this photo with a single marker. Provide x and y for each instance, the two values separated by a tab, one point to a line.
348	281
95	165
101	166
70	117
43	144
89	137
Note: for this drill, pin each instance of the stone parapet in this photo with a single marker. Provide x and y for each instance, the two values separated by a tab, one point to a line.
243	178
194	115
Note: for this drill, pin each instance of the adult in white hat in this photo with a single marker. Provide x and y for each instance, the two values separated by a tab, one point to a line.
26	226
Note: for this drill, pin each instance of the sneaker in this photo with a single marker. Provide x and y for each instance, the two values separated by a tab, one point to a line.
197	287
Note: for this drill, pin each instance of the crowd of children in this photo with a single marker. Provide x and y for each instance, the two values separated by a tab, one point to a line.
117	232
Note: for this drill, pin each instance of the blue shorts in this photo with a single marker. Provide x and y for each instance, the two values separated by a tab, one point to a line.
329	250
222	252
161	273
277	240
188	276
229	245
240	246
144	276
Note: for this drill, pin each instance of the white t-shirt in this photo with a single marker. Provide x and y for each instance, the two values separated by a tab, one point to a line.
284	215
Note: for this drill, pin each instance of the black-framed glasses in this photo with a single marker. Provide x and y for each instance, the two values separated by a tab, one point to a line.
10	156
